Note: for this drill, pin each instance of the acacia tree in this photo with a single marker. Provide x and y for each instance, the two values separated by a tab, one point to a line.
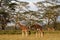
52	15
3	19
32	17
55	8
18	14
4	15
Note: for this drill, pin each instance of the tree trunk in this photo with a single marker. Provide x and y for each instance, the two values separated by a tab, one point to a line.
3	27
48	25
54	25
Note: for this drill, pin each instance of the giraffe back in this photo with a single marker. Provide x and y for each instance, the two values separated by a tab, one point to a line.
36	27
22	27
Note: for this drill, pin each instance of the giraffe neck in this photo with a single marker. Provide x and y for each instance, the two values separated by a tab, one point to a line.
20	25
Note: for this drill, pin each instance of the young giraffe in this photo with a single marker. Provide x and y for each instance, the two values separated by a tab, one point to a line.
38	30
23	28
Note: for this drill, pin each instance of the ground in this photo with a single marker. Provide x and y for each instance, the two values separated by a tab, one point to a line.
47	36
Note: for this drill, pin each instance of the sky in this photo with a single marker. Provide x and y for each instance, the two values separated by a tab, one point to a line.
31	0
32	6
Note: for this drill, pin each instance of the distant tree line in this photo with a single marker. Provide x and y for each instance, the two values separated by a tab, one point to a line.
13	11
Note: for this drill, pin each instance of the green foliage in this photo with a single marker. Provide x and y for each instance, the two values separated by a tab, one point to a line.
5	14
19	32
10	32
3	20
58	26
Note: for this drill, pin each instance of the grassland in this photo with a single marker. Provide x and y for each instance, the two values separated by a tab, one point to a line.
47	36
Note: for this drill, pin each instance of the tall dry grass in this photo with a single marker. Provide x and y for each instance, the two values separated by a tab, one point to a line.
47	36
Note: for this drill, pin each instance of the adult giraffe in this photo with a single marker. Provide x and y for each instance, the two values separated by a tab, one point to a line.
24	29
38	28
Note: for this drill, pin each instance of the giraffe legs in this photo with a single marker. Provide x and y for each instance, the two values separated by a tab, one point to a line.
36	34
39	34
22	33
26	33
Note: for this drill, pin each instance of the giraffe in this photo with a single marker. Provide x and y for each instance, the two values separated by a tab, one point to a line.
38	29
50	29
23	28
